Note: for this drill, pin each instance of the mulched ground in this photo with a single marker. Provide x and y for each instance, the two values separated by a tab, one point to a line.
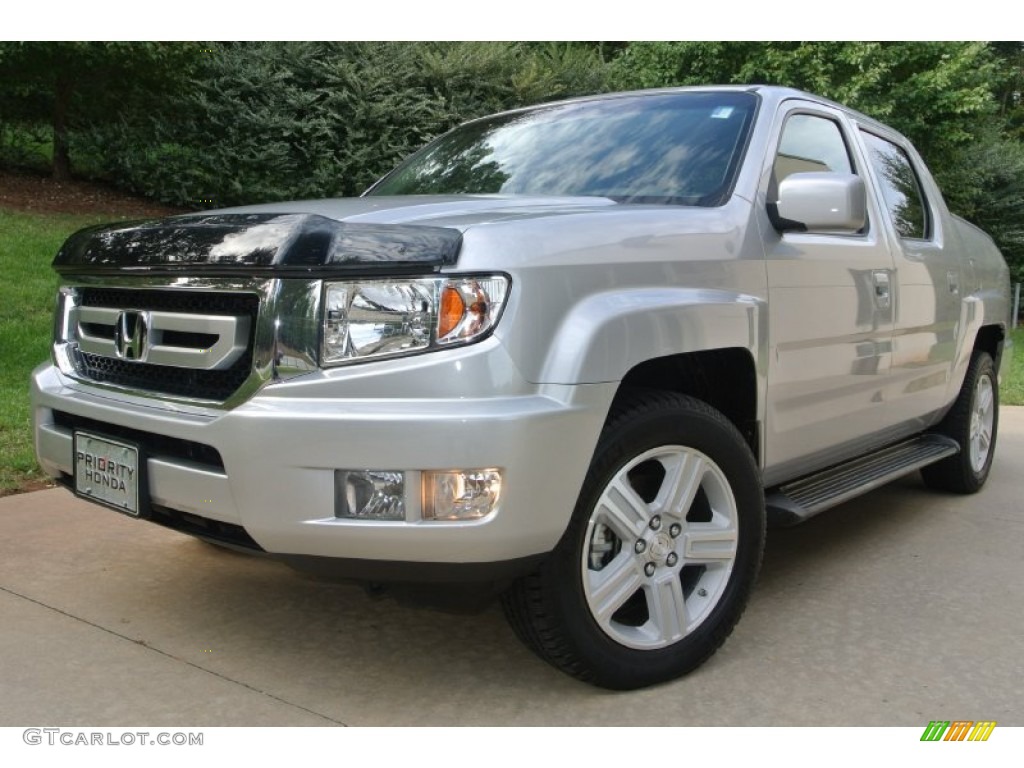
22	191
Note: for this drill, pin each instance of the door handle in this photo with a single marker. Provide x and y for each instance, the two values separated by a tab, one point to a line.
953	281
882	295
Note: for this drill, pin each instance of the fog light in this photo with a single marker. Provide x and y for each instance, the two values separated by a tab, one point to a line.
369	494
468	494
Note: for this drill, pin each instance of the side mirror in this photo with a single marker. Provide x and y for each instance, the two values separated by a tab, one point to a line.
820	202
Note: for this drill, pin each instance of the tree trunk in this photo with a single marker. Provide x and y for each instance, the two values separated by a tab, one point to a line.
61	102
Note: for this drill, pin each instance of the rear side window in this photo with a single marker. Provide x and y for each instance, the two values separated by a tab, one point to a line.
901	188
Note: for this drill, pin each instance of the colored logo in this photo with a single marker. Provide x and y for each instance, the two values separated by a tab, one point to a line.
958	730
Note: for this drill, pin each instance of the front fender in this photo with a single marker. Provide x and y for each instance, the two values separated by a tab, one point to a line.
607	334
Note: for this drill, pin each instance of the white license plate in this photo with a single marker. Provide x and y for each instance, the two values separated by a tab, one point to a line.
107	471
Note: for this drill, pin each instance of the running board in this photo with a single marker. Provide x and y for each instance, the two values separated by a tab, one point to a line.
798	500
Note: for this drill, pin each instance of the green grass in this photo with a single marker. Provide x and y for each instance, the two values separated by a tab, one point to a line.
1012	391
28	243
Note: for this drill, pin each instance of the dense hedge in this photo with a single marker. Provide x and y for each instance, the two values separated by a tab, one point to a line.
273	121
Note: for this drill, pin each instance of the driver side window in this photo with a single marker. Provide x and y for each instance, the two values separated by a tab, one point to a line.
810	143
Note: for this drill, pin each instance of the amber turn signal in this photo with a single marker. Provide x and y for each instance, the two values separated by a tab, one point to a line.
452	310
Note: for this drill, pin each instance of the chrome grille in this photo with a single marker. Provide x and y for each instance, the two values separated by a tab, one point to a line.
162	338
191	344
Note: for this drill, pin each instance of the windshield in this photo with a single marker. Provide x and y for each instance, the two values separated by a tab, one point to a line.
679	148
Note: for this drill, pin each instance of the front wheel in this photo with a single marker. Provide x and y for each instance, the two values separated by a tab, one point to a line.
661	553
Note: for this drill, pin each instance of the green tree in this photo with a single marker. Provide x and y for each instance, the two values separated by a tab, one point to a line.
960	104
1010	94
985	184
71	84
935	93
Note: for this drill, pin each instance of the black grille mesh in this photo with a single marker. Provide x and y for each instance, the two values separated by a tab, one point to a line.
215	385
198	302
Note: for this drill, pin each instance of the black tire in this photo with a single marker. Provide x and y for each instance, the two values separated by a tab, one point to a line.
966	472
649	439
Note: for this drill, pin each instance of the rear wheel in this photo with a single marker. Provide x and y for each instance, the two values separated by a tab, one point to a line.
661	553
973	422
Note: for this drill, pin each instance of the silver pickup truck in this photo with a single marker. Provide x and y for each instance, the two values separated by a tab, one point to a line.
575	355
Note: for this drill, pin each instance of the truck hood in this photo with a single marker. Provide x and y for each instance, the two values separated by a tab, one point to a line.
382	234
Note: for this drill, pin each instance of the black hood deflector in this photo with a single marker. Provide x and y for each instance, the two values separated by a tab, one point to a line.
274	244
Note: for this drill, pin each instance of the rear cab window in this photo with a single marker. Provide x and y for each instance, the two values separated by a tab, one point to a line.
901	187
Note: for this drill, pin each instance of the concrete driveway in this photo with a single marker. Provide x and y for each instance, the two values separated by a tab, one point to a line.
898	608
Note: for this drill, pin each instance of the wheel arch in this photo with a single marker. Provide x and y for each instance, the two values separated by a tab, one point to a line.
991	339
708	344
726	379
607	334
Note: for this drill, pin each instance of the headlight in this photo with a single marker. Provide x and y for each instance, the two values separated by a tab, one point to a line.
389	318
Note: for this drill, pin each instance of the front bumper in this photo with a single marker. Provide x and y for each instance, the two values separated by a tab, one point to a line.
279	451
